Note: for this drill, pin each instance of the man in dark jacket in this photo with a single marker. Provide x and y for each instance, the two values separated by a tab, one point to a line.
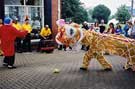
102	26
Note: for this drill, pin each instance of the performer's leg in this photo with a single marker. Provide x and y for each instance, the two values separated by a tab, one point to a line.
29	43
59	47
133	63
64	47
103	62
19	45
82	47
130	64
5	61
11	62
127	65
130	59
24	45
133	67
86	59
122	51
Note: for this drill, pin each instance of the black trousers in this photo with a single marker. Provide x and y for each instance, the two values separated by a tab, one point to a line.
27	43
9	60
18	44
62	47
86	48
40	44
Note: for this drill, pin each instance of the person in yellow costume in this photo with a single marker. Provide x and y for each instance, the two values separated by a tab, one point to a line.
27	41
1	53
18	26
99	43
45	34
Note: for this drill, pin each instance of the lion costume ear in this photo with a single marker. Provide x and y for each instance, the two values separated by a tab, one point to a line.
60	22
75	25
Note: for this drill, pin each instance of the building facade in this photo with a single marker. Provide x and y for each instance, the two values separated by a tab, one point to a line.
41	11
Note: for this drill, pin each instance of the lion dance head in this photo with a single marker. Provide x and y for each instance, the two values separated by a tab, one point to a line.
68	34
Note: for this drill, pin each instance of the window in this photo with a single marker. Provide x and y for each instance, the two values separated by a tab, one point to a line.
12	2
22	8
24	2
15	12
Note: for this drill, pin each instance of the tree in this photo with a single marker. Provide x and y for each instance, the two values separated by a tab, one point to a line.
101	12
80	16
90	11
112	17
72	9
122	14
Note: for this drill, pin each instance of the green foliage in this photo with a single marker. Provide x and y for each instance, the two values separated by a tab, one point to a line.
73	9
112	17
101	12
90	11
122	14
80	16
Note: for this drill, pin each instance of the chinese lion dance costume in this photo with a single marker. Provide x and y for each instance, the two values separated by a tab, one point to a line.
98	44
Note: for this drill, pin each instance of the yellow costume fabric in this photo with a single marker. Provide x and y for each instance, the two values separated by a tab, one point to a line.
45	32
17	26
100	43
27	27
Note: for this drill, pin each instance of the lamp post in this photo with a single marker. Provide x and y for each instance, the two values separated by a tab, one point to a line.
132	5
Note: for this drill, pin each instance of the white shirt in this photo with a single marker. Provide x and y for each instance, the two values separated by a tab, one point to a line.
129	31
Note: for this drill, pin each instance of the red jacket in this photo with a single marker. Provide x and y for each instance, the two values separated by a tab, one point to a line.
111	30
8	35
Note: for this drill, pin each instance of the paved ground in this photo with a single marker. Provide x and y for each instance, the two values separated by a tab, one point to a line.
35	71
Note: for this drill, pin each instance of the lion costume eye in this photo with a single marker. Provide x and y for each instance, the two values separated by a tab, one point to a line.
70	31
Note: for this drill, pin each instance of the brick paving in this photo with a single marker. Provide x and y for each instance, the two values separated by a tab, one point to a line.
35	71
